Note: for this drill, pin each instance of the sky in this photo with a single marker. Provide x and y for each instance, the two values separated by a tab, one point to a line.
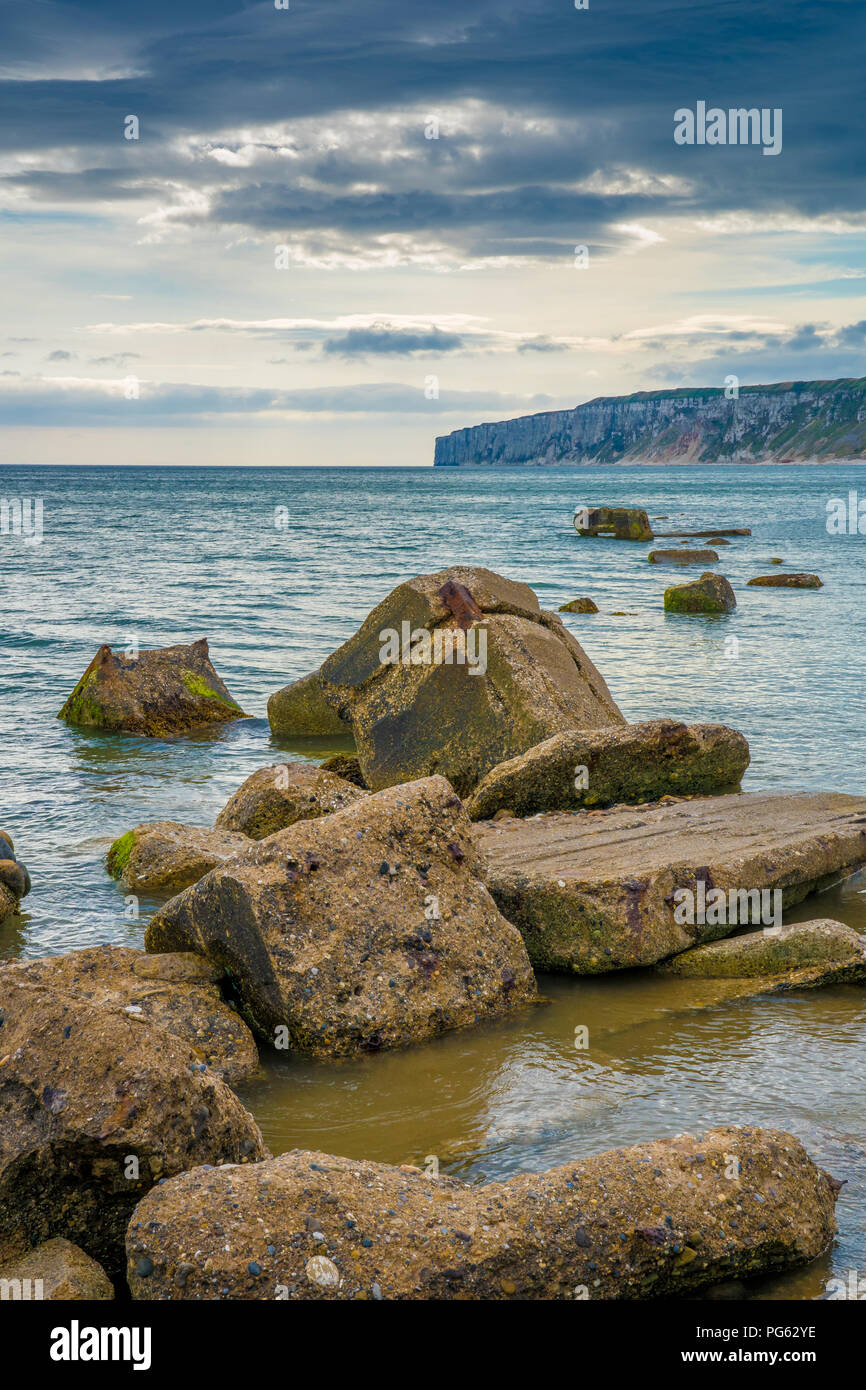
232	233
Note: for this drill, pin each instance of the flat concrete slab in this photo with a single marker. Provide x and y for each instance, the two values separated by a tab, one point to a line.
593	891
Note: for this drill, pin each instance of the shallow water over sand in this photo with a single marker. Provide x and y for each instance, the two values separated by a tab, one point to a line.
169	556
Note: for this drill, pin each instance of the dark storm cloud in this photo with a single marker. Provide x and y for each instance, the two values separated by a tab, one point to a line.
609	78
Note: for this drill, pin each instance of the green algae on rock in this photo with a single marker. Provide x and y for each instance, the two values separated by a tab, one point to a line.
654	1220
598	767
798	956
365	929
787	581
711	593
274	798
301	709
413	716
167	690
166	856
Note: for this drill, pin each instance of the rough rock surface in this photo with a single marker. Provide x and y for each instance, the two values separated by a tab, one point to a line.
273	798
301	708
96	1105
593	891
165	691
798	956
788	581
579	605
65	1272
711	593
657	1219
598	767
622	523
682	557
177	992
412	718
362	930
14	878
164	856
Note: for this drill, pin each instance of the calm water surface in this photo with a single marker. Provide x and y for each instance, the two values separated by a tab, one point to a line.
166	555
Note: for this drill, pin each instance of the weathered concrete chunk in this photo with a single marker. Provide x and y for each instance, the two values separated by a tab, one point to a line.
177	992
598	767
361	930
56	1271
14	878
275	797
579	605
456	671
165	691
798	956
593	891
682	557
165	856
96	1105
788	581
301	708
623	523
657	1219
711	593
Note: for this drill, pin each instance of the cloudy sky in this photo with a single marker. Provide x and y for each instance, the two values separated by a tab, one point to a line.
348	226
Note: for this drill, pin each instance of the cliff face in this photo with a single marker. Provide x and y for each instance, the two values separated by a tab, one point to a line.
796	420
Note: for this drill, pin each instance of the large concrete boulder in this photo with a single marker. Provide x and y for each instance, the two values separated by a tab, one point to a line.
178	992
301	709
622	523
14	878
56	1271
165	856
361	930
598	767
656	1220
274	798
798	956
712	593
456	671
594	891
98	1103
168	690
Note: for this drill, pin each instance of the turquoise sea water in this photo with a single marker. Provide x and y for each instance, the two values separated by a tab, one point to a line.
161	556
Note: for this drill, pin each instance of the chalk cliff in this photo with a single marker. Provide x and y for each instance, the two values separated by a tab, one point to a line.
791	420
